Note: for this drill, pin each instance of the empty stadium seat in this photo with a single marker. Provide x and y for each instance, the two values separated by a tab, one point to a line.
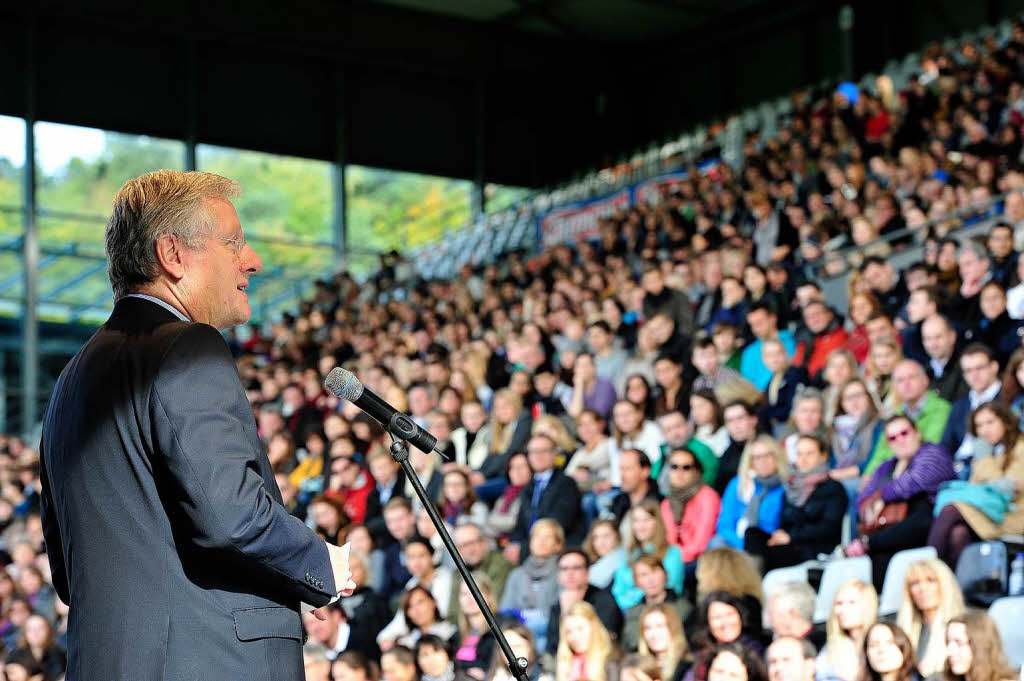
837	572
892	588
1008	614
982	572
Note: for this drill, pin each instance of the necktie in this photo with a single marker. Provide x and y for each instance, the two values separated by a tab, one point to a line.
538	488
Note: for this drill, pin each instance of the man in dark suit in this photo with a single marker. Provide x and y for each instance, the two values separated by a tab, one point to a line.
163	523
551	494
981	371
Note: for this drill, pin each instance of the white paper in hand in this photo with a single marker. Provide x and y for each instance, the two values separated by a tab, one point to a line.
341	555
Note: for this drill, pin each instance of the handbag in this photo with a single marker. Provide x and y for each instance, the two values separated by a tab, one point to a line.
869	522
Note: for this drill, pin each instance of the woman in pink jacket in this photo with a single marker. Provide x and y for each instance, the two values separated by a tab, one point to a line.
690	510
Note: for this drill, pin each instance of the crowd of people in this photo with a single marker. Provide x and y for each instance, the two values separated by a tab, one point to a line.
637	427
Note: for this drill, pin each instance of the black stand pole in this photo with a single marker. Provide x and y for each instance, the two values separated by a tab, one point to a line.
516	666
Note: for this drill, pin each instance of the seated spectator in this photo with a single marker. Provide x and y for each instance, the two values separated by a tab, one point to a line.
790	613
726	338
763	322
476	642
708	425
673	392
434	660
741	424
854	610
458	502
510	431
19	665
574	580
420	615
585	651
501	521
793	659
630	430
1012	392
678	433
807	420
974	650
964	515
37	640
661	637
550	494
661	299
840	367
736	663
639	667
912	479
931	597
609	360
754	497
520	640
401	525
726	569
690	511
337	635
590	465
590	391
532	588
924	303
366	612
859	309
427	467
975	264
997	329
928	411
374	558
638	390
478	553
419	559
637	486
439	425
472	440
706	359
605	552
884	283
888	654
398	664
328	514
883	358
647	536
1004	257
939	337
827	336
785	381
981	371
40	595
855	432
723	620
812	513
649	574
1015	293
389	479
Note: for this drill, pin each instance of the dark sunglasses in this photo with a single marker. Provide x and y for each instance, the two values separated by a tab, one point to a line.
898	435
681	466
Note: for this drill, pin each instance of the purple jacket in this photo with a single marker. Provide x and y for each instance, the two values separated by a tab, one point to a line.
929	468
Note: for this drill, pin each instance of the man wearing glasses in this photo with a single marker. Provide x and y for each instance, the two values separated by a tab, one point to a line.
163	522
574	580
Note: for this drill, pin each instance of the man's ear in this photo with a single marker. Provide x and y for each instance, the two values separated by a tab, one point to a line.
170	254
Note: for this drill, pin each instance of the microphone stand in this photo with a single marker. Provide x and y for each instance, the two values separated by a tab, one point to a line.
400	453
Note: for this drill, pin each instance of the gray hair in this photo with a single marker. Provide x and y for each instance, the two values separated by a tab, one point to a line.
798	597
154	205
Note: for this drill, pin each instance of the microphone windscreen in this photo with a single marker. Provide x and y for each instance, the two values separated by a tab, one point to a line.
344	384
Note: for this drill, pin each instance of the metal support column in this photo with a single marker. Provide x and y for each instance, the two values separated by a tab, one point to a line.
30	246
191	104
479	199
846	41
339	215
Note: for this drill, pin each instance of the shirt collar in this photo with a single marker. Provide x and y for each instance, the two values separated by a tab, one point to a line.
986	395
544	477
162	303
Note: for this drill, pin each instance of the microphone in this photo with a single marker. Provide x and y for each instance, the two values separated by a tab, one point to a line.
345	385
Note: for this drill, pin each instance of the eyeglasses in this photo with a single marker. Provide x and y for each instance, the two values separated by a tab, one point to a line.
238	245
898	435
681	466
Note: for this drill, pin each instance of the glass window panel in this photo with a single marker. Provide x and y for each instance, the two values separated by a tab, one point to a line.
80	170
282	196
12	169
396	210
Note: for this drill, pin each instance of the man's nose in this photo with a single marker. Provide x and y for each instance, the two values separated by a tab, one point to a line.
253	263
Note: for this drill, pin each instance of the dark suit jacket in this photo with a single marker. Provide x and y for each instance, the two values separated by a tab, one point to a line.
163	523
559	501
605	606
817	526
951	386
375	513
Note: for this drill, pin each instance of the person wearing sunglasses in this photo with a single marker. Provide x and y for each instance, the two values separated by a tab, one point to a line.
913	476
691	509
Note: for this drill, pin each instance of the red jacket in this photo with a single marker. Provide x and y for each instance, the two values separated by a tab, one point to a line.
698	524
354	499
824	345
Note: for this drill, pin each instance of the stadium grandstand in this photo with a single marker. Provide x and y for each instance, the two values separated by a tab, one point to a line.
740	403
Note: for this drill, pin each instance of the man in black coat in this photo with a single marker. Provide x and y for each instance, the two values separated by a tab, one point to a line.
551	494
163	523
574	578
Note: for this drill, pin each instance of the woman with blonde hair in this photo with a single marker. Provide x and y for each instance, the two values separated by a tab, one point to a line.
974	650
840	367
605	552
648	535
727	569
854	610
585	651
754	497
509	432
554	428
885	354
476	642
931	597
661	637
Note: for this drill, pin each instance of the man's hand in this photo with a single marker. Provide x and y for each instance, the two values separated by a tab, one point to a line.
779	538
342	575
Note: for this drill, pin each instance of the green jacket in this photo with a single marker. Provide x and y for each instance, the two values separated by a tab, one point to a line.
931	423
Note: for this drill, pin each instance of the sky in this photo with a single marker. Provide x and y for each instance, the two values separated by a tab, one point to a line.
55	144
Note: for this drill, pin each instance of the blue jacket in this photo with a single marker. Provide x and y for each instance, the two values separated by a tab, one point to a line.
733	508
627	594
752	366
